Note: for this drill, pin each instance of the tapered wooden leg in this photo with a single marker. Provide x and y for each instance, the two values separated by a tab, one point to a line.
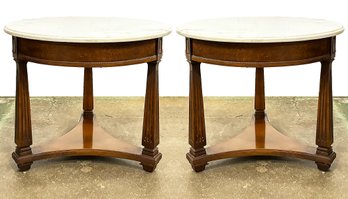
259	102
88	106
324	135
88	98
197	137
259	106
150	137
23	134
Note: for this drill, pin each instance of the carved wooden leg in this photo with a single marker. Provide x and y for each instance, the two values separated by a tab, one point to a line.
197	138
150	137
259	105
88	106
324	136
23	134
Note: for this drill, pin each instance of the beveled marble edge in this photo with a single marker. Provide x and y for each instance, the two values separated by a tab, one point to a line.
192	33
164	32
263	40
160	32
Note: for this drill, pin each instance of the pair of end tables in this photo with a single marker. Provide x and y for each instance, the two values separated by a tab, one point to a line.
105	42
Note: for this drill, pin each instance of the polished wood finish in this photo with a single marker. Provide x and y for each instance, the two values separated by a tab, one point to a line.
23	134
150	134
260	54
87	138
88	101
259	102
87	54
197	137
260	138
324	136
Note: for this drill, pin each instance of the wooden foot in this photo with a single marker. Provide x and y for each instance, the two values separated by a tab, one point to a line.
24	167
329	156
152	159
198	168
149	168
18	158
323	166
194	157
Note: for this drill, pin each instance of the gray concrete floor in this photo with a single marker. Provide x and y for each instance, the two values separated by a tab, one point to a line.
254	177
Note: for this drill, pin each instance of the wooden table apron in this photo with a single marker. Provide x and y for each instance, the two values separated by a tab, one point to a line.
260	138
87	138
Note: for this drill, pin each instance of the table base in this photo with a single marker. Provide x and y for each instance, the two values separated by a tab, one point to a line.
259	139
88	139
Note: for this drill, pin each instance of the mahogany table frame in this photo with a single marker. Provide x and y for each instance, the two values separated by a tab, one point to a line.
260	138
87	138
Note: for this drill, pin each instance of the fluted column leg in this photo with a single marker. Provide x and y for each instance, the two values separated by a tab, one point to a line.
197	137
324	135
23	133
150	137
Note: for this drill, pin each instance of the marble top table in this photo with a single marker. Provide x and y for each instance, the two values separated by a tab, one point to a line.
260	29
260	42
87	42
87	29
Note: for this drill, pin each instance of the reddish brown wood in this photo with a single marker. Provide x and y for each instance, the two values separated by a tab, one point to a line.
87	138
76	143
87	54
260	138
260	54
259	103
197	137
274	142
324	136
150	137
260	131
88	98
23	134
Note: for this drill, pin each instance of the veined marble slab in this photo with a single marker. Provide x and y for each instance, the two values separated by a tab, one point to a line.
260	29
87	29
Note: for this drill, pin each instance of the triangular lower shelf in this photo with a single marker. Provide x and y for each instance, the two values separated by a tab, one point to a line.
260	139
87	139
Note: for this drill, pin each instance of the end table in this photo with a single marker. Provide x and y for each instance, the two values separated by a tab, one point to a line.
87	42
260	42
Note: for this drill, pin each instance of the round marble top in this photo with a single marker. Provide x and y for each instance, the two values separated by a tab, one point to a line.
87	29
260	29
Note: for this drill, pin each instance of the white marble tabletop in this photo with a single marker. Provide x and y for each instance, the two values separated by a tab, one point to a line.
87	29
260	29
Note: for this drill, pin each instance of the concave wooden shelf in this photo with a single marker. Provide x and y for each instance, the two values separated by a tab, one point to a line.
87	139
259	139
